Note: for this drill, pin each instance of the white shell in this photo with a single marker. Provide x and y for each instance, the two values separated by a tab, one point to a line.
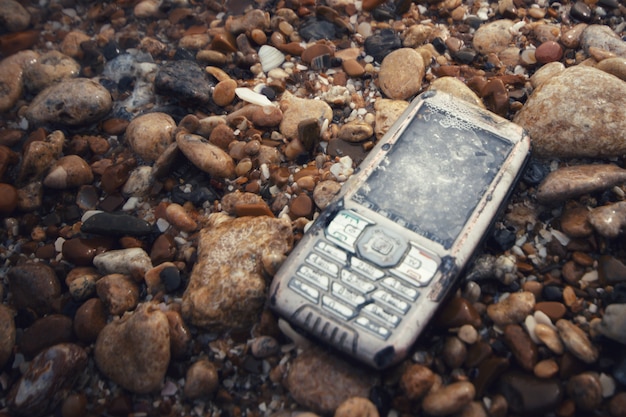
250	96
270	57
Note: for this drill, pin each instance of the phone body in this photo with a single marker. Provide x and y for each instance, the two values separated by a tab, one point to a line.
373	268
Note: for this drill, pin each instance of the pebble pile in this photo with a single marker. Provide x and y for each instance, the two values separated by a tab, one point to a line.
160	158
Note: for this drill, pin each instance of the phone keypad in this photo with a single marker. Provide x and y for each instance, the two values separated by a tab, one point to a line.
374	291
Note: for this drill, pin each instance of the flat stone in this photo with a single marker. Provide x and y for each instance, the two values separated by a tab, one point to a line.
296	109
12	75
72	102
116	224
183	80
226	288
34	286
602	37
512	309
609	220
8	331
553	309
150	134
585	130
48	380
401	74
576	341
321	381
576	180
134	351
50	68
206	156
613	324
528	395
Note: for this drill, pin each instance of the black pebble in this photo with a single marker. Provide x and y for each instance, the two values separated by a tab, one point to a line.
439	45
502	239
111	50
535	172
381	44
315	29
580	11
113	224
170	277
184	80
552	293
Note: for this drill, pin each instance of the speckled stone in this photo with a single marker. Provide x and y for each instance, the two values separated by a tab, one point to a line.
321	381
35	286
50	68
559	129
512	309
416	381
573	181
609	220
296	109
150	134
39	156
387	112
401	74
602	37
613	324
493	37
72	102
134	351
12	75
118	292
226	288
184	80
456	88
576	341
69	171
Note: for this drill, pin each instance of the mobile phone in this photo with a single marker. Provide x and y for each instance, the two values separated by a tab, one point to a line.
373	268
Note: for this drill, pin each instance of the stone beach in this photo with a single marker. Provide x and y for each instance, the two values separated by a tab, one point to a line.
159	159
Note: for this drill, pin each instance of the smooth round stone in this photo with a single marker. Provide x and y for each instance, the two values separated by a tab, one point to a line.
179	217
356	131
50	375
183	80
580	11
352	67
11	77
8	332
74	405
13	16
206	156
401	73
549	336
73	102
576	341
34	286
134	351
602	37
301	206
522	347
586	391
571	38
45	332
68	172
81	282
163	249
560	130
8	199
356	406
222	136
613	324
81	251
116	224
493	37
614	66
546	369
50	68
416	381
449	399
548	51
202	380
224	92
380	44
528	395
454	352
512	309
150	134
90	319
552	309
118	292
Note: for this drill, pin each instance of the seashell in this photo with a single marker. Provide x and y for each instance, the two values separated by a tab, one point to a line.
270	57
250	96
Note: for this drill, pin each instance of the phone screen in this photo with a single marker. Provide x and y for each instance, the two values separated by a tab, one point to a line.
435	174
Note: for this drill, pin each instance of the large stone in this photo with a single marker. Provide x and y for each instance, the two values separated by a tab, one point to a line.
11	77
594	127
227	288
613	324
297	109
401	74
134	351
602	37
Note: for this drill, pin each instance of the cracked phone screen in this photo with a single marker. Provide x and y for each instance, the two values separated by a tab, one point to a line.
435	174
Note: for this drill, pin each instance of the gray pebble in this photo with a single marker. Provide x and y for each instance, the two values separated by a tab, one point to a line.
13	16
573	181
613	324
50	68
602	37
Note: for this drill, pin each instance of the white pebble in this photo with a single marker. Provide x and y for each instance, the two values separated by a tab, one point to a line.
608	385
162	225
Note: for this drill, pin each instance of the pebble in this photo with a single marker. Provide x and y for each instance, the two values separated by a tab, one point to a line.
180	335
224	92
90	319
222	136
380	44
614	66
545	369
586	391
8	199
456	313
512	309
573	181
617	405
493	37
134	351
48	69
356	406
553	309
179	217
546	73
118	292
322	381
325	192
449	399
609	220
150	134
39	156
253	19
301	206
602	37
576	341
68	172
416	381
529	395
264	346
575	222
613	324
49	378
454	352
401	74
115	224
548	51
387	112
8	331
456	88
13	16
11	77
184	80
74	405
72	102
46	332
296	109
201	380
226	289
356	131
260	116
134	262
352	67
523	348
468	334
34	286
81	251
206	156
563	131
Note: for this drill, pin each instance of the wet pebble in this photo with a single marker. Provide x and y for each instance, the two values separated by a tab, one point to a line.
586	391
133	262
12	75
356	406
602	37
118	292
401	73
50	68
34	286
380	44
456	88
206	156
264	346
150	134
454	352
457	312
184	80
356	131
416	381
561	131
321	381
449	399
81	251
90	319
72	102
529	395
512	309
13	16
576	341
548	51
226	289
547	368
48	379
39	156
134	351
46	332
575	222
115	224
296	109
615	66
8	331
493	37
613	324
224	92
180	218
8	199
180	336
609	220
68	172
201	380
522	347
576	180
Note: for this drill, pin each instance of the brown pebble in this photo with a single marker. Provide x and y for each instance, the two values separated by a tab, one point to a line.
548	51
90	318
315	50
353	68
575	222
163	249
202	379
545	369
74	405
180	218
356	406
586	391
18	41
224	92
449	399
617	405
222	136
45	332
8	331
416	381
180	336
523	348
454	352
457	312
8	199
118	292
553	309
301	206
